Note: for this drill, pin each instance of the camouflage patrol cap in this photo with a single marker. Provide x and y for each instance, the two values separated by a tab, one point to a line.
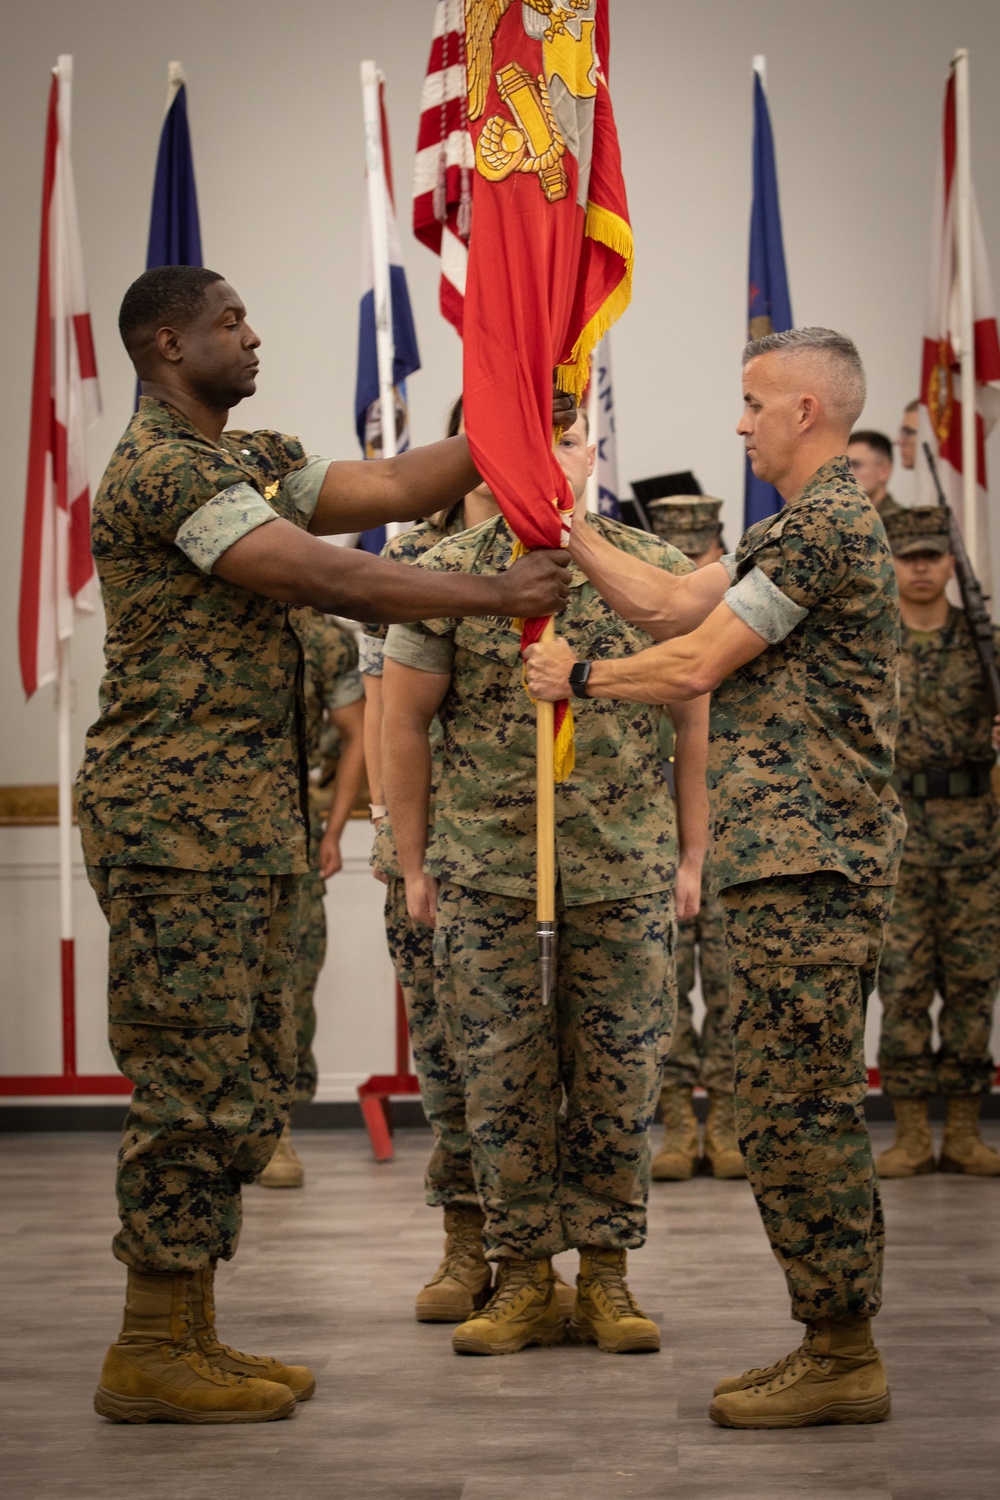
690	523
923	528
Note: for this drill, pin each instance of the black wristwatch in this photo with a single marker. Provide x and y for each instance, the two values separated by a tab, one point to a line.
578	675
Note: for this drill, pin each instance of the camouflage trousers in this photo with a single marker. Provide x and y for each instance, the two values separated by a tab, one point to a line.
200	1019
803	952
559	1099
943	937
310	952
705	1058
448	1179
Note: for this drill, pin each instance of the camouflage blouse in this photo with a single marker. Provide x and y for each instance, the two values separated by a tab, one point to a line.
615	830
944	723
197	758
802	737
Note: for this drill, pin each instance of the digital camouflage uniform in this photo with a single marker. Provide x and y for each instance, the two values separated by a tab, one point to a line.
705	1058
806	848
550	1177
448	1180
944	934
330	680
192	801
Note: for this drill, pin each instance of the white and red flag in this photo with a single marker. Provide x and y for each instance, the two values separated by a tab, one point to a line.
941	393
57	570
442	184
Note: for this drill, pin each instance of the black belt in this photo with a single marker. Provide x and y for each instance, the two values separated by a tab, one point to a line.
972	780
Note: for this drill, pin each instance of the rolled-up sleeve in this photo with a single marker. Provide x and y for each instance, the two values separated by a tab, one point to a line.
371	649
213	528
412	646
303	485
759	603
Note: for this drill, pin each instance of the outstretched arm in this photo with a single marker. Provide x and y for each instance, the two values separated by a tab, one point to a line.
660	603
279	560
675	671
360	493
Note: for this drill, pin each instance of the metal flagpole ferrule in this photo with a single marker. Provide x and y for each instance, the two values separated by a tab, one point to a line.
546	959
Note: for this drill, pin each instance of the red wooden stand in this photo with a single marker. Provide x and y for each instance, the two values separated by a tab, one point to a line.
375	1094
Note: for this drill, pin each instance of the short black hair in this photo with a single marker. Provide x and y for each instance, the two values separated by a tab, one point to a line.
454	418
876	440
166	295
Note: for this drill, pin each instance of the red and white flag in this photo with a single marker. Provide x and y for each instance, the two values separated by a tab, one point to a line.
442	184
941	393
57	569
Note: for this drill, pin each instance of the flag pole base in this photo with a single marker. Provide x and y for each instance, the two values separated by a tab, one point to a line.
546	959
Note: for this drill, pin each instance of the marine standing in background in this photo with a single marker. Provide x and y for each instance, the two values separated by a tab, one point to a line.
909	432
335	755
869	454
705	1059
944	933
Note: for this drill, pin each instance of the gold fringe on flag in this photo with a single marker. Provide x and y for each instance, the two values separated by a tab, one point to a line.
612	230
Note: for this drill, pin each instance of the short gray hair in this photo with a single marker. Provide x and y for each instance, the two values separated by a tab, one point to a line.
849	389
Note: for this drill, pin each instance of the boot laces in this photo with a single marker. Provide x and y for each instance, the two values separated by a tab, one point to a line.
616	1290
767	1374
517	1279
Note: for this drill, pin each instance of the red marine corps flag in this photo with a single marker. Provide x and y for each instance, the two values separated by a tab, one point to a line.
57	570
549	271
960	316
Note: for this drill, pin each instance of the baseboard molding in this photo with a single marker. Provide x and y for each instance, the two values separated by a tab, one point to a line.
407	1114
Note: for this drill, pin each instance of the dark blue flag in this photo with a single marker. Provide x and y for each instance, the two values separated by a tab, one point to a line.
770	308
174	233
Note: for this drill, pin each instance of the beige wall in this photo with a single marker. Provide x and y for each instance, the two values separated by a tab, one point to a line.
855	88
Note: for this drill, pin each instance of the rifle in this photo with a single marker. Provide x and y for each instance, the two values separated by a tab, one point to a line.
973	599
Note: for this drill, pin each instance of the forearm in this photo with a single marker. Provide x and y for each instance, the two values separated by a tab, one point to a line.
406	771
662	604
359	494
690	784
373	738
347	783
668	673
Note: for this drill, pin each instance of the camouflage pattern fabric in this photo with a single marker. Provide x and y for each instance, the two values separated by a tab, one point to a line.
557	1169
803	952
201	1022
406	548
448	1180
199	688
330	681
704	1058
887	506
944	933
615	828
943	937
802	737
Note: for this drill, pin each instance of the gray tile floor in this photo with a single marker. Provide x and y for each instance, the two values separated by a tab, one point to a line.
327	1275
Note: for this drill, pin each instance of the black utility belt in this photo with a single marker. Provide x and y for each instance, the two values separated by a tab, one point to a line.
971	780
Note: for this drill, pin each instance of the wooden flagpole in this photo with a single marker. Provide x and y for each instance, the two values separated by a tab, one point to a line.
545	746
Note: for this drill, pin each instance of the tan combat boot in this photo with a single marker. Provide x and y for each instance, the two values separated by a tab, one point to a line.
157	1373
297	1378
963	1148
913	1150
678	1156
722	1149
285	1169
461	1283
606	1313
836	1376
523	1310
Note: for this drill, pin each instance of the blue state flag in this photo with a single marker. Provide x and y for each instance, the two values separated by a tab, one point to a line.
406	358
174	230
770	308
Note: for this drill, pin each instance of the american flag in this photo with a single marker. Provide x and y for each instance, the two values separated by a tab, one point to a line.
442	186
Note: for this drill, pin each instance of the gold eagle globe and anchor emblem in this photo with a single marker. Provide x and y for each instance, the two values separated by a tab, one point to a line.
941	394
531	141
